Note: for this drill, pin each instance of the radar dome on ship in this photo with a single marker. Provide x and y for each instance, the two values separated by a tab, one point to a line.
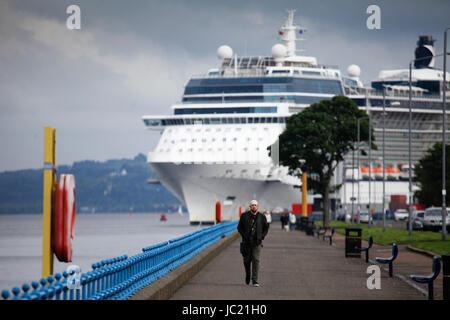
224	52
353	71
279	51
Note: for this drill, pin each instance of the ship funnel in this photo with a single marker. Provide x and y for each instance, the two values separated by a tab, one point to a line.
425	48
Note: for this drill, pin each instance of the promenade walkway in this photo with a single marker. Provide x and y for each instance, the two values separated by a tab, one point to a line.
296	266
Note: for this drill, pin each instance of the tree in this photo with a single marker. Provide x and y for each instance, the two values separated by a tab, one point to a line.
320	136
428	175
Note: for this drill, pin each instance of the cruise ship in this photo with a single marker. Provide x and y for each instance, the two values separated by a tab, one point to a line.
213	147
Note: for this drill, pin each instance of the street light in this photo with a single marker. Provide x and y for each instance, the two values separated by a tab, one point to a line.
359	170
395	103
444	210
444	191
370	164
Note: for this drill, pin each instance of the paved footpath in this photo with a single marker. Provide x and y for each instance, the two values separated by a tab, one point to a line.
296	266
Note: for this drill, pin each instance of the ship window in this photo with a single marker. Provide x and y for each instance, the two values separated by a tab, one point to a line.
153	123
264	109
281	71
250	120
311	73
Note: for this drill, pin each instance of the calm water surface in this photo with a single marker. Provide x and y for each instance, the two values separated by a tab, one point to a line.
97	236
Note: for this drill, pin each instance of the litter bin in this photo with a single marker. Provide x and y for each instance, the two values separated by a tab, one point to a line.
446	276
352	241
310	228
303	223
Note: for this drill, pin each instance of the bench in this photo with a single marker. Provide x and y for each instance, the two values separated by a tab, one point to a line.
321	231
330	236
389	260
436	268
366	249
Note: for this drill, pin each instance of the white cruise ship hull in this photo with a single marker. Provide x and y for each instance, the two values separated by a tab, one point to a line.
197	185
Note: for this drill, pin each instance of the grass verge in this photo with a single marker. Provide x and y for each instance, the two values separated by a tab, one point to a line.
425	240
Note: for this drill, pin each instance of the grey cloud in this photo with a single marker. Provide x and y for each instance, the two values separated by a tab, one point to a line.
132	58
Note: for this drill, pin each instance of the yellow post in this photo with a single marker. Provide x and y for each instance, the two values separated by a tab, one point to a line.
304	195
215	210
49	185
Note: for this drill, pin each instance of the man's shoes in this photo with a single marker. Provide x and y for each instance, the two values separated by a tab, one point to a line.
247	280
255	284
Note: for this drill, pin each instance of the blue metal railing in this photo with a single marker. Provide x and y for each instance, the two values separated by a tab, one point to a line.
121	277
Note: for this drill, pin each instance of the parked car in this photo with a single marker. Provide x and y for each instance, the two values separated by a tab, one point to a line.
417	220
364	217
432	219
400	214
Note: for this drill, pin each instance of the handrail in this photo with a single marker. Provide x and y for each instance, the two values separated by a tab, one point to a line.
121	277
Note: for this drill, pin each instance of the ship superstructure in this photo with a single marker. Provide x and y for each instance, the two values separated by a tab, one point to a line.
214	145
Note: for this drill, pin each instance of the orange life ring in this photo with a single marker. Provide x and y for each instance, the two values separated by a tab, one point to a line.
63	225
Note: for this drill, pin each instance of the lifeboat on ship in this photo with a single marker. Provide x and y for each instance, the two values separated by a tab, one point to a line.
378	173
392	172
365	173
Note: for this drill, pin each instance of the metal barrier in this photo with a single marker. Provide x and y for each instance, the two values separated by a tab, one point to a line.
119	278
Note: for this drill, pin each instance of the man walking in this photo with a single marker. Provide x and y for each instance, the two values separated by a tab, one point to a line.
253	228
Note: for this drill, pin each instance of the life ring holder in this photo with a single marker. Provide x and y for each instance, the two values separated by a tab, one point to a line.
64	213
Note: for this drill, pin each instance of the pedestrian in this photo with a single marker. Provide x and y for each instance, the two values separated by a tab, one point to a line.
283	220
292	220
253	228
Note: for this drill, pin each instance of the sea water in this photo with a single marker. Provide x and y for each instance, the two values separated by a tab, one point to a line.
98	236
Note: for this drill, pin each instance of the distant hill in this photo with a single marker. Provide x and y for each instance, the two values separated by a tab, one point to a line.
118	185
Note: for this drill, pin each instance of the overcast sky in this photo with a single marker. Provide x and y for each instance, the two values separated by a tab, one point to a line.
132	58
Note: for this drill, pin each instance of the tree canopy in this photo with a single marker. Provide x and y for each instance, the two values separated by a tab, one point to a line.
428	176
321	135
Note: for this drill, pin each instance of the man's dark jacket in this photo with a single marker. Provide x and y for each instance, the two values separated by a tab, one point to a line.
244	226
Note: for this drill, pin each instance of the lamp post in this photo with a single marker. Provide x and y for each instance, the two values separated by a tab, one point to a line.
359	170
444	209
444	191
409	153
370	165
353	185
384	168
